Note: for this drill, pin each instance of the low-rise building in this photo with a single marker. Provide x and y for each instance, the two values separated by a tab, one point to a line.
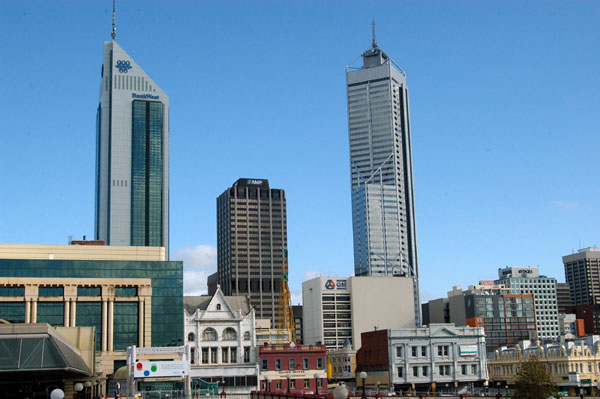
221	333
293	368
341	363
427	359
574	366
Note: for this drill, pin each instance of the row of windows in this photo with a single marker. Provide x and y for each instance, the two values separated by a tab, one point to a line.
416	351
210	334
293	364
44	291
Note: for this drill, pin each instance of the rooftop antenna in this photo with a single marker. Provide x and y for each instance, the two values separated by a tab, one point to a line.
374	43
113	34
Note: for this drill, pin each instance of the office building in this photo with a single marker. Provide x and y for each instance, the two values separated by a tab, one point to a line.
527	280
132	155
383	212
298	325
252	244
439	358
339	309
507	318
582	272
131	295
563	297
220	331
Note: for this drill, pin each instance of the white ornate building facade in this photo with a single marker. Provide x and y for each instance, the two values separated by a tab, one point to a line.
221	333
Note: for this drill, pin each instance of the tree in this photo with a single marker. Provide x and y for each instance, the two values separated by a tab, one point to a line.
533	381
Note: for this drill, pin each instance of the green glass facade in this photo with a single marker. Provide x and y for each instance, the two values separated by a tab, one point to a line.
147	173
89	314
167	292
13	312
126	325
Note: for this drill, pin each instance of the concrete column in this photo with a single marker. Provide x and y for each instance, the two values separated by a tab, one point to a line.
140	322
111	321
73	312
67	314
27	311
104	324
34	311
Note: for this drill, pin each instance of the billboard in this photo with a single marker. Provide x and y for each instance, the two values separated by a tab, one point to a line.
149	369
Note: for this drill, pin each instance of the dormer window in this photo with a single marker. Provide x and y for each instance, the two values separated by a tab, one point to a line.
218	306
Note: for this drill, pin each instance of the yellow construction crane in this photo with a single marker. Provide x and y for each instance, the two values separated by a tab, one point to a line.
286	314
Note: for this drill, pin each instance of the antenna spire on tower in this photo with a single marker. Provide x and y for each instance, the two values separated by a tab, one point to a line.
113	34
374	43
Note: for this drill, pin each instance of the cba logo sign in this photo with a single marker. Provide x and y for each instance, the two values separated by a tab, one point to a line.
123	66
330	284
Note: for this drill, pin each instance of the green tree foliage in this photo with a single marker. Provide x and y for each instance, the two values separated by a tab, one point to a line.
533	381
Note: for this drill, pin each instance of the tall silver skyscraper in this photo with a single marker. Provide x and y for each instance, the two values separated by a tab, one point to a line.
132	154
383	214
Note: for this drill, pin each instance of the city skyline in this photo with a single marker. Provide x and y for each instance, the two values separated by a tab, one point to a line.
503	151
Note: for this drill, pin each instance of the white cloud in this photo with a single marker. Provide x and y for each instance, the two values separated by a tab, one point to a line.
194	283
568	205
198	257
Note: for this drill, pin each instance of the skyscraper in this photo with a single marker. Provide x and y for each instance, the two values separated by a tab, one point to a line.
582	272
132	154
251	244
383	214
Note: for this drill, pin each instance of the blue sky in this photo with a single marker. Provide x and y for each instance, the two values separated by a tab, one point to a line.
504	108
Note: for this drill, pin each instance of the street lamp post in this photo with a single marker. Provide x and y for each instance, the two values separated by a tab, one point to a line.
78	388
88	389
57	394
363	377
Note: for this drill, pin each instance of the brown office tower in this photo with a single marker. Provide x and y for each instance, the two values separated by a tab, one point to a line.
251	240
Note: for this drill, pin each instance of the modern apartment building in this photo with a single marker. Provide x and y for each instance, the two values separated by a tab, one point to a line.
338	309
132	155
563	297
527	280
383	212
252	244
582	272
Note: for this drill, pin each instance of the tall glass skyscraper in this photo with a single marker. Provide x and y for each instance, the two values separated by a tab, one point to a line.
132	153
383	214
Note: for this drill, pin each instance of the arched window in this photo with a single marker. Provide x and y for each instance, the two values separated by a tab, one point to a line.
247	336
218	306
191	337
209	334
229	334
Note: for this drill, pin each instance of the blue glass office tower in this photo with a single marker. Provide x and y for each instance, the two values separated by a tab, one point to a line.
383	213
132	169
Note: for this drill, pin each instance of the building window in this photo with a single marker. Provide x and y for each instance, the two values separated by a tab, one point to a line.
443	350
305	363
125	291
225	355
247	336
319	362
191	337
292	364
213	355
413	350
265	364
444	370
400	371
51	291
246	354
277	364
399	351
89	291
233	354
209	334
473	369
463	369
425	371
306	383
218	306
278	385
424	351
12	291
193	355
229	334
292	384
416	371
